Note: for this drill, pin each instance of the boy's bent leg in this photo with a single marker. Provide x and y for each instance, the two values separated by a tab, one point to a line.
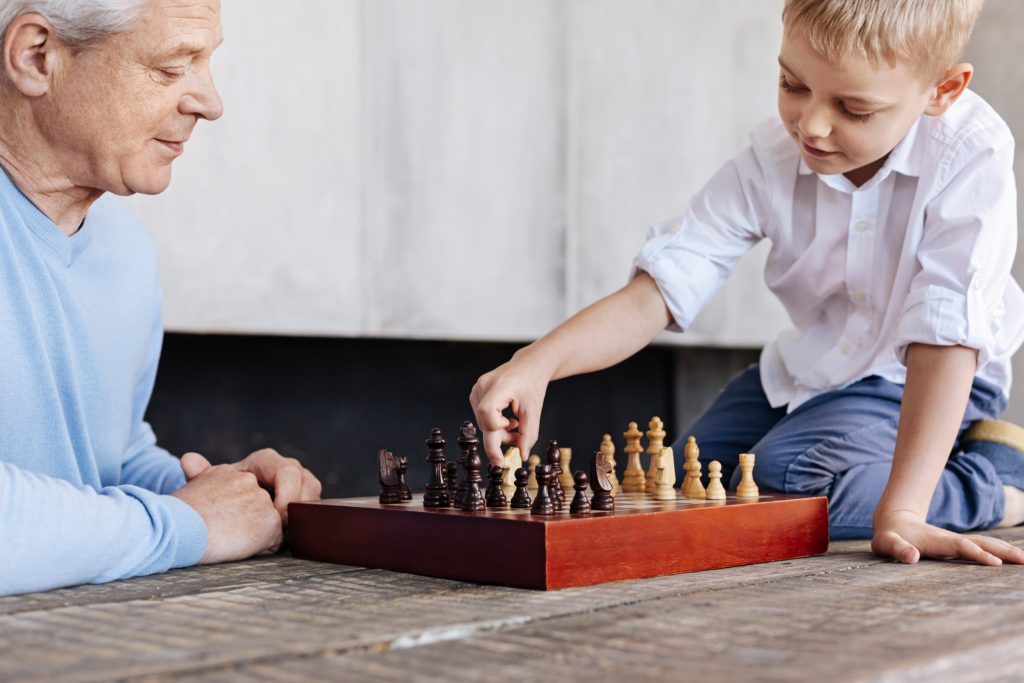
739	417
840	445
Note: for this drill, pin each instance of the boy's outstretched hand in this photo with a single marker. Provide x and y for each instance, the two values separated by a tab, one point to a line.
520	384
907	537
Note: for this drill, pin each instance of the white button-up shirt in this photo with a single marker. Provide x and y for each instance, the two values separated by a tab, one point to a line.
919	253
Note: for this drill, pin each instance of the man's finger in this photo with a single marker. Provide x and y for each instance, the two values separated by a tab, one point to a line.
192	464
287	487
961	546
311	487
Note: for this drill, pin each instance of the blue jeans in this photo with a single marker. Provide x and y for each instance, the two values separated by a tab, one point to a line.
840	445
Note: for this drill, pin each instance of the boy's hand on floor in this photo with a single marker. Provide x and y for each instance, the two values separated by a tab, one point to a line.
907	537
520	385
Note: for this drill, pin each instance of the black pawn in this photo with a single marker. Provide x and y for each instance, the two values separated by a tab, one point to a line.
580	504
600	484
521	498
543	504
555	485
473	499
436	494
467	438
495	496
403	470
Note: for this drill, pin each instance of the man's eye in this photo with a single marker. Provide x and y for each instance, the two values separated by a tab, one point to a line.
171	72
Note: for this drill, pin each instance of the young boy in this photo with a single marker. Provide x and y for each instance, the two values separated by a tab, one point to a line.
887	191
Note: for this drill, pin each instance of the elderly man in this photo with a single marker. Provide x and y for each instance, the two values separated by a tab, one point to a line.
98	98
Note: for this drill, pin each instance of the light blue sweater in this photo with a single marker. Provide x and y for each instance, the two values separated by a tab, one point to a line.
82	482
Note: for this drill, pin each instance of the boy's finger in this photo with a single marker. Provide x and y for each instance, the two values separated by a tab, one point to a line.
896	547
1000	548
492	445
969	550
528	429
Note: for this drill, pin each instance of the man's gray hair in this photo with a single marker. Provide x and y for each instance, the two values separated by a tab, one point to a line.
77	22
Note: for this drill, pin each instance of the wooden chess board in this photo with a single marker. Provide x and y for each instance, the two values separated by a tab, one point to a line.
641	538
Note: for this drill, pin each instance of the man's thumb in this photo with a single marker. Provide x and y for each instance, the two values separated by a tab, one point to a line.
192	464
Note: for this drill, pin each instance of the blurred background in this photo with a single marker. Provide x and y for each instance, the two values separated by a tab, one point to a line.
403	192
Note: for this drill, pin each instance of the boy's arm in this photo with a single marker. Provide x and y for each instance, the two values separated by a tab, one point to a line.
597	337
939	380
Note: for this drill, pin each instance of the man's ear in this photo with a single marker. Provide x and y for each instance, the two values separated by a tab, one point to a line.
951	86
30	50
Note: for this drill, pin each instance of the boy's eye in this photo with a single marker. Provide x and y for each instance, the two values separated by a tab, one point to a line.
789	87
853	116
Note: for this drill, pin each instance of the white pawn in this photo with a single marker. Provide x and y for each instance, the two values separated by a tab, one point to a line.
696	489
715	489
665	478
531	482
565	460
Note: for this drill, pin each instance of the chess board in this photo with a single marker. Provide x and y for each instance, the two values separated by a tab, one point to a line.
640	538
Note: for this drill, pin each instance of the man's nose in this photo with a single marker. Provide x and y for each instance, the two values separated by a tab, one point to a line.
203	100
814	123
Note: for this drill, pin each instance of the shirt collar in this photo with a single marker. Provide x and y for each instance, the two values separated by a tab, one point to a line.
67	248
905	158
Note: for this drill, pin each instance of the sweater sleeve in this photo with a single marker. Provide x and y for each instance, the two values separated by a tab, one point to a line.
57	534
145	464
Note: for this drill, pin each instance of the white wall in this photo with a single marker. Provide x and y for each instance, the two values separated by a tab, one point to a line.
457	169
474	169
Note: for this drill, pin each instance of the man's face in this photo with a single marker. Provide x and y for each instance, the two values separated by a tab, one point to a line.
845	118
120	111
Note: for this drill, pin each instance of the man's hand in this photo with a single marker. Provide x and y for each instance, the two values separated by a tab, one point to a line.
240	517
286	478
907	536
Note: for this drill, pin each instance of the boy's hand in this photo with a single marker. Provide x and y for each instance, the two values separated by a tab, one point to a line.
519	384
907	537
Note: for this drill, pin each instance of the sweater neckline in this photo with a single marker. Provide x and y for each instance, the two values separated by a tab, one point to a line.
67	247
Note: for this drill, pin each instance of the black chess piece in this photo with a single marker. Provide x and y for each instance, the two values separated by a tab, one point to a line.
466	438
403	471
436	490
580	504
600	483
554	457
453	473
495	497
544	503
521	498
387	474
473	499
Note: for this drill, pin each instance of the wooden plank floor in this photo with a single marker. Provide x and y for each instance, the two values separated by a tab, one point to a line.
845	616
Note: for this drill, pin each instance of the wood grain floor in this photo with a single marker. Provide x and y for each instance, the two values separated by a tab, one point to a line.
845	616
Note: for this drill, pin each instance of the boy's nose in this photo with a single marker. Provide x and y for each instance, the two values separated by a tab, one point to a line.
814	124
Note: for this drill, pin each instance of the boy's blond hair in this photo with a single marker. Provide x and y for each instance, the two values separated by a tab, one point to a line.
930	35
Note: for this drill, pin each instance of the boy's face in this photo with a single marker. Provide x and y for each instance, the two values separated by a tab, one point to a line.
846	118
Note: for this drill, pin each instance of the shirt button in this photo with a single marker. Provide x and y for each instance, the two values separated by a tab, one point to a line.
844	349
862	226
858	297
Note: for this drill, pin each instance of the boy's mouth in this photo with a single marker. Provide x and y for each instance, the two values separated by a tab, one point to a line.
814	151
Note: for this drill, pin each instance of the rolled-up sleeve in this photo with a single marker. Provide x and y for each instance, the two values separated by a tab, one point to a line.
965	256
691	257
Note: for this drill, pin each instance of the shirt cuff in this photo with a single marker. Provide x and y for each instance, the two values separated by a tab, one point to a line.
944	317
685	279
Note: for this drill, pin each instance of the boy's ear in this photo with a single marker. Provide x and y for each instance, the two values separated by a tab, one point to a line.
30	51
951	86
